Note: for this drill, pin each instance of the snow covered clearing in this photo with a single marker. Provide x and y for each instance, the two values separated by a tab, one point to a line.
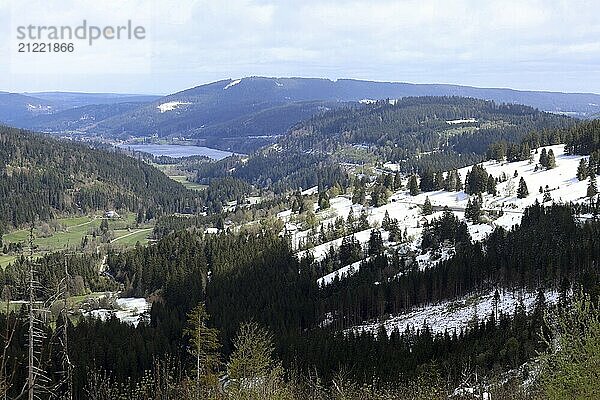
561	180
432	257
128	309
39	107
457	314
310	191
170	106
232	83
319	252
392	166
461	121
340	273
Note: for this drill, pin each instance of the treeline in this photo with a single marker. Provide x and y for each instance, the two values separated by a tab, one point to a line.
582	138
412	132
223	190
112	357
41	177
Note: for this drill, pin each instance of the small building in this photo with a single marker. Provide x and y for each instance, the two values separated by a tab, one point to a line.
111	214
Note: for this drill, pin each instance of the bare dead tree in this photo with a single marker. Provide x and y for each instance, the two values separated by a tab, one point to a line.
37	382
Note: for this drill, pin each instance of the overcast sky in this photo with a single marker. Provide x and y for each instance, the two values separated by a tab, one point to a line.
523	44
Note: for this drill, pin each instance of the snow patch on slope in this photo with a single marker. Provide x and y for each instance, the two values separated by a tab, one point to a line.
170	106
232	83
130	310
461	121
340	273
456	314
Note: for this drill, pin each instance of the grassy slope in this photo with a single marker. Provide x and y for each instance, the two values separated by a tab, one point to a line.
75	229
190	185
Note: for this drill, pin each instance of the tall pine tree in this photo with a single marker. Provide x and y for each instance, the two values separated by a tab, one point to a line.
522	191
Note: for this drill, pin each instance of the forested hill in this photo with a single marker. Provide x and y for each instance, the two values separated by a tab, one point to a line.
415	125
437	133
41	177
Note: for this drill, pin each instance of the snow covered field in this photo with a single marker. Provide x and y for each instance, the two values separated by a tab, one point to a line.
562	182
170	106
457	314
129	310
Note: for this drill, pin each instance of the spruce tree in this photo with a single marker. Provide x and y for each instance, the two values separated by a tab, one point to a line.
359	194
104	225
375	243
450	183
592	189
582	170
413	185
477	180
522	191
385	223
204	346
544	158
439	181
427	207
473	210
323	200
427	181
395	233
491	186
397	181
252	365
363	221
350	221
551	161
594	163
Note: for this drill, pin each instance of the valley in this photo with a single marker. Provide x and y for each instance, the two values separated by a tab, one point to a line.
260	109
292	200
427	228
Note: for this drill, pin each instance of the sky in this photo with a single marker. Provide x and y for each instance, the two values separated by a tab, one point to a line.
523	44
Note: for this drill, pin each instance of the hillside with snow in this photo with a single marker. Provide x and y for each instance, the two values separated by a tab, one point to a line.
456	315
504	209
562	184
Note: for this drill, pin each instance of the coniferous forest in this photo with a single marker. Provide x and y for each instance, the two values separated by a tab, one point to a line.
245	301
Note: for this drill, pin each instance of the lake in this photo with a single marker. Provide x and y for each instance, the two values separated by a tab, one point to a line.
177	151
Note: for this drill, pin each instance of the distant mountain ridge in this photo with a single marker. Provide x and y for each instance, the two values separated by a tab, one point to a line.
77	99
15	108
243	114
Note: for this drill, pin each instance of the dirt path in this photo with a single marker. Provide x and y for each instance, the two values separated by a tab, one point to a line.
85	223
131	233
